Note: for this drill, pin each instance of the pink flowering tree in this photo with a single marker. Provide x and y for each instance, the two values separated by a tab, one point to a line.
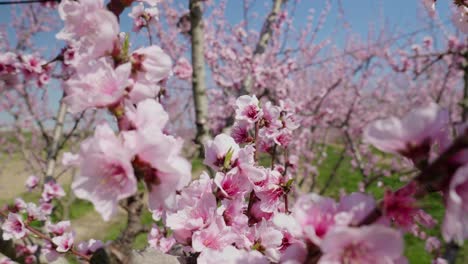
258	201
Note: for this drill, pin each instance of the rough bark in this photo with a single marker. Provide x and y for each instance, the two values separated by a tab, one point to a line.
120	250
53	149
200	99
263	41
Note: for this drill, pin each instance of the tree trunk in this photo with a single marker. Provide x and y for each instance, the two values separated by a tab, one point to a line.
200	99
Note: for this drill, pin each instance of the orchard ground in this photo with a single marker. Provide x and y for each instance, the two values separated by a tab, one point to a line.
89	224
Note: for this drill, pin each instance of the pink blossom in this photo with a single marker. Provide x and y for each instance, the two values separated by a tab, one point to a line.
49	252
358	205
293	251
35	213
240	132
6	260
69	55
271	116
13	227
316	215
266	238
233	212
460	18
365	245
64	242
232	183
158	241
142	17
90	246
8	63
432	244
19	205
89	26
22	250
216	236
248	109
216	151
271	192
59	228
455	225
439	261
31	65
32	182
197	208
183	69
411	136
256	214
52	190
70	159
151	64
140	91
97	85
46	208
312	217
400	206
166	171
283	137
231	255
106	174
148	114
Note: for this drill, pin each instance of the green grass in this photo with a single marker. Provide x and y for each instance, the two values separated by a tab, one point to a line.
348	179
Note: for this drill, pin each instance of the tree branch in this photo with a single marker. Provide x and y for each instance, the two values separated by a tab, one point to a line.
200	99
53	149
262	43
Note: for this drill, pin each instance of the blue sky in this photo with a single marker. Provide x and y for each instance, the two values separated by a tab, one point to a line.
401	16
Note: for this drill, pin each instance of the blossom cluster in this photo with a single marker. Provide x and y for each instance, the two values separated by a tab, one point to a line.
127	84
30	66
242	213
246	207
30	219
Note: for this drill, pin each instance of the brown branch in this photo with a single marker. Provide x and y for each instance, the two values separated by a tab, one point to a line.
356	154
72	130
200	98
53	148
120	250
334	172
265	36
37	120
444	85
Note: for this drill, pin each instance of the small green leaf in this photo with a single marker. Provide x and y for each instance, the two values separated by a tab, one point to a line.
289	183
227	159
126	46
